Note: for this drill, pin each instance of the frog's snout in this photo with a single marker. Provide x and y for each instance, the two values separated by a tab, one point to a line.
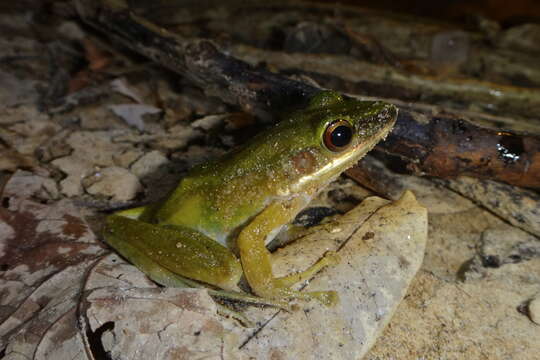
392	112
380	120
386	113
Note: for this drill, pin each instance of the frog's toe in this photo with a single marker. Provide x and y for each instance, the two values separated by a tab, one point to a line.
328	298
331	258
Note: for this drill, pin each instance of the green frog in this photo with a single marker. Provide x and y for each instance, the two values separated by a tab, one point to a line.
215	225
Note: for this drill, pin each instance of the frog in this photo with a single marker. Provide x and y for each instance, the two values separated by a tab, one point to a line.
214	227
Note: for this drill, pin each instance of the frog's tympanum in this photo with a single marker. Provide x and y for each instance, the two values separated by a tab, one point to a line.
215	226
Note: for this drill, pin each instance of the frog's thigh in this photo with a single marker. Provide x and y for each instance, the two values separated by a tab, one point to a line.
256	259
168	253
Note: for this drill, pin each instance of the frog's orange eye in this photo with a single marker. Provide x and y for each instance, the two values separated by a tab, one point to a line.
338	135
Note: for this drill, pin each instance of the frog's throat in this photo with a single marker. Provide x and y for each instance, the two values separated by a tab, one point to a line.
334	168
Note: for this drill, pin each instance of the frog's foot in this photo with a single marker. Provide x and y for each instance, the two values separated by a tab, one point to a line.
330	258
280	289
282	295
327	298
173	255
257	263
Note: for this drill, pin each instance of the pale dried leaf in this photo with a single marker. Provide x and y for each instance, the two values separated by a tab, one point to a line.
25	184
150	163
115	182
135	319
121	86
133	114
210	121
45	251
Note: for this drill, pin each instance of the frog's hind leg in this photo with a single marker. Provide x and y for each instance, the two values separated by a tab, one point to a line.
195	257
152	269
256	259
168	255
167	278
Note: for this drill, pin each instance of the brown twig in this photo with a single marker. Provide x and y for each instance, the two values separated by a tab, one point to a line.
436	145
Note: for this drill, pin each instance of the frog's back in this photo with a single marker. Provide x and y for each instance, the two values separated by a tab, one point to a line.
219	197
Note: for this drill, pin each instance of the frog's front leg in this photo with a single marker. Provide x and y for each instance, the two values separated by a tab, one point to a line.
256	259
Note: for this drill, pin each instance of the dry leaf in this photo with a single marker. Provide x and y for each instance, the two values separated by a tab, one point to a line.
45	253
133	114
122	86
131	318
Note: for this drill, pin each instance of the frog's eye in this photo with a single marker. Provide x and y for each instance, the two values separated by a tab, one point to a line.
338	135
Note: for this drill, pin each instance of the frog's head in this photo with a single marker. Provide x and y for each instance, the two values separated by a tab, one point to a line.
336	133
348	125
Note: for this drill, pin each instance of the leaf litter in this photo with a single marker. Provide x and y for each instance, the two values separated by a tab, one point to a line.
64	295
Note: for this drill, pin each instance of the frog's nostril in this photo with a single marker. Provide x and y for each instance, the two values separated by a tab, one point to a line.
392	111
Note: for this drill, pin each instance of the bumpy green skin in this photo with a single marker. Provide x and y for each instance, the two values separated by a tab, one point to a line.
219	199
288	160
